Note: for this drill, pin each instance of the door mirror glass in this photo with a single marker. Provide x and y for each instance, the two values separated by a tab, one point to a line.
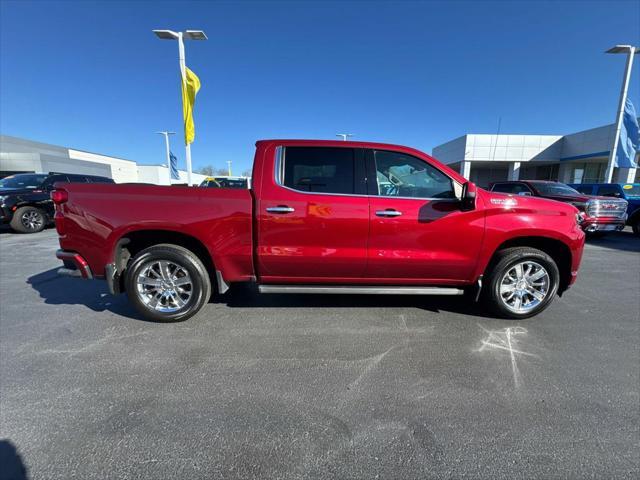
468	200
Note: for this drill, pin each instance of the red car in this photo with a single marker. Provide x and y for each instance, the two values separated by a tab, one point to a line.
600	214
321	217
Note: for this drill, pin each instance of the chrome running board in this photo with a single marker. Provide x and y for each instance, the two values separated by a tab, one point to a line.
359	290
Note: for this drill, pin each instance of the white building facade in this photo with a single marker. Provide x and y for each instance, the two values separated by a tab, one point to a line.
577	158
18	155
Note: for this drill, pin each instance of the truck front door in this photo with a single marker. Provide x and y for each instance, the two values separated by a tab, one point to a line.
313	215
418	233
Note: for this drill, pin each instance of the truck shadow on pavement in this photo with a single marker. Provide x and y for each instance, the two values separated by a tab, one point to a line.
626	241
59	290
11	465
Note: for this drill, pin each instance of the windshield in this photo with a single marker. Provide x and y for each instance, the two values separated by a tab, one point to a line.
555	189
631	189
26	180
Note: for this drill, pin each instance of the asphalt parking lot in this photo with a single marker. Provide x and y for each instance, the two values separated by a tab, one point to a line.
318	387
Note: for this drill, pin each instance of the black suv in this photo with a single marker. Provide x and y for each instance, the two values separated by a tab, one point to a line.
25	202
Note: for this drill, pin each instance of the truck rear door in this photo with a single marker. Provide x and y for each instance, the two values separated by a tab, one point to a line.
313	214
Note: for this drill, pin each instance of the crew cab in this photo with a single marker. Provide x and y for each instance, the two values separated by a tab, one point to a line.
321	217
25	203
600	214
627	191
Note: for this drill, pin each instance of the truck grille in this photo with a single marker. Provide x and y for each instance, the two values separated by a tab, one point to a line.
607	208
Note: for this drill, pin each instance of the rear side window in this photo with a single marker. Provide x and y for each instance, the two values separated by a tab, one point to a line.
77	178
514	188
99	180
320	169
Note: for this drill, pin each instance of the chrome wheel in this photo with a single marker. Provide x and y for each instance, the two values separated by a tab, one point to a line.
32	220
164	286
524	286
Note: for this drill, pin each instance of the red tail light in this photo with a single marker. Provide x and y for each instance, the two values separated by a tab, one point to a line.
59	196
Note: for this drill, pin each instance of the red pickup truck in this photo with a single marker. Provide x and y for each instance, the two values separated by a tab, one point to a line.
321	217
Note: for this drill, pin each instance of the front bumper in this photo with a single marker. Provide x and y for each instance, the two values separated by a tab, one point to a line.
601	224
74	265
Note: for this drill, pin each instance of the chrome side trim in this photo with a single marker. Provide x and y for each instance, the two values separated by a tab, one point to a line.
222	285
350	289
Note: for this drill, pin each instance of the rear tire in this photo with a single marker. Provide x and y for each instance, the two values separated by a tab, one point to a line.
636	226
167	283
521	282
28	220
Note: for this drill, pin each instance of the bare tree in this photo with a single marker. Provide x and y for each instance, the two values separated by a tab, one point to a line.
206	170
246	173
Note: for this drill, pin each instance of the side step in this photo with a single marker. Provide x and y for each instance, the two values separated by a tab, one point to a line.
359	290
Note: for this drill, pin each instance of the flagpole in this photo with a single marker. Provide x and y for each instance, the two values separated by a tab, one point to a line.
623	96
183	72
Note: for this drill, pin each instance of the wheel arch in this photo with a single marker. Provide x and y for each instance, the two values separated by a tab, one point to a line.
132	242
556	249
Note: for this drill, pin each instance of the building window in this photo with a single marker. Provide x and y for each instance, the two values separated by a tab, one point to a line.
588	172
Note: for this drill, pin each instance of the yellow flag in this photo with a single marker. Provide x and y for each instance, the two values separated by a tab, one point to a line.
190	87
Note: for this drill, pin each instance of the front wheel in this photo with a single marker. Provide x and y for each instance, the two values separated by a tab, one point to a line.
522	282
167	283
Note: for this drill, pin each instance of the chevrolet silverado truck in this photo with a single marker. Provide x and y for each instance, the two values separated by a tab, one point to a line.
322	217
600	214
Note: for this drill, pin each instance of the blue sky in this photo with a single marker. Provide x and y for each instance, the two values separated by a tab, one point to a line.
91	75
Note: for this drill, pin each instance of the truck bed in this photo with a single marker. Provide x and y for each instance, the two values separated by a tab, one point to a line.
97	216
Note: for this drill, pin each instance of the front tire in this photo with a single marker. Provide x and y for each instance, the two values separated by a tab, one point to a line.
522	282
167	283
28	220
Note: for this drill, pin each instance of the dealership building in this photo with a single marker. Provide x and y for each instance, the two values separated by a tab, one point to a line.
18	155
576	158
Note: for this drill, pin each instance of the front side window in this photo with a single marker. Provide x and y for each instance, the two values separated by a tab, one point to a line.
319	169
400	175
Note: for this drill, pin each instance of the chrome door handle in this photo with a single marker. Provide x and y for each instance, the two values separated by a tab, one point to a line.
280	209
388	213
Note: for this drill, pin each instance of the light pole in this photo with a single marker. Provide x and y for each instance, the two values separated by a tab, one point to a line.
630	51
229	164
181	36
344	136
166	141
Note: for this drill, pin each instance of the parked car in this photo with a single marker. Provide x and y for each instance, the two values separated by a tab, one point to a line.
25	203
628	191
224	182
600	214
321	217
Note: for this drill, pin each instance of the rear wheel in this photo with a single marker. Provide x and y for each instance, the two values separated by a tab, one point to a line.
522	282
28	220
167	283
636	226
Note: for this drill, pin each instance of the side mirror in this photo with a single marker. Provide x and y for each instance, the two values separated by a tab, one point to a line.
468	200
612	194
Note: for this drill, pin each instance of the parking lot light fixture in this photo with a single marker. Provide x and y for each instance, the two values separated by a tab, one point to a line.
630	51
344	136
180	37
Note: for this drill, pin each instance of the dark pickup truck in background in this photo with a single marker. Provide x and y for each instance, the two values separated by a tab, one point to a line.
600	214
627	191
25	202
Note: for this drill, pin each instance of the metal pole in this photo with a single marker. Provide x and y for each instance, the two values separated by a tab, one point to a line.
229	163
183	72
623	97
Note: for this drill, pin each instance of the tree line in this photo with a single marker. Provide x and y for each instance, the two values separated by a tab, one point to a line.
211	171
